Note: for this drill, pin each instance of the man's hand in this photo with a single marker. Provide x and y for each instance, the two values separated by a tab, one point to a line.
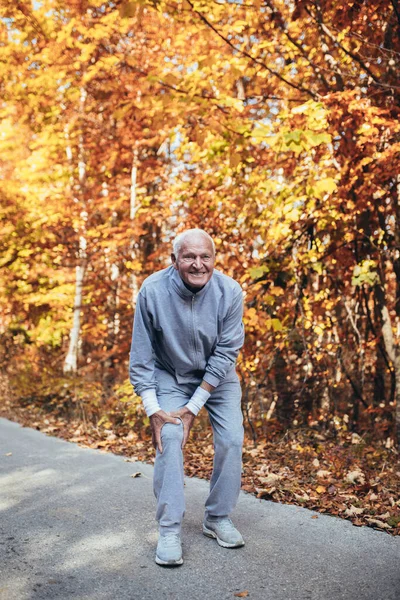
156	422
187	418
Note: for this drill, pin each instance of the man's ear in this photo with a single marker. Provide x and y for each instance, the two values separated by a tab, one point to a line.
173	260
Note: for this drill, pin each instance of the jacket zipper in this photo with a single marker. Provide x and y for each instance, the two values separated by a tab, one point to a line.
194	333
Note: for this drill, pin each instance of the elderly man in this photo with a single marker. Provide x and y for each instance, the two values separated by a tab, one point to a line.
187	334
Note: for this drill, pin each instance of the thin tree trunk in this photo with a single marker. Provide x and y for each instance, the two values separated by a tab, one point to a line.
71	359
396	267
133	209
393	353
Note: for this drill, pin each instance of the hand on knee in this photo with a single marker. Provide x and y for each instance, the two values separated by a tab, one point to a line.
157	422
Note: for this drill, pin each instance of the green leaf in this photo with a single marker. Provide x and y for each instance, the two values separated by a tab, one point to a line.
276	325
294	137
258	272
315	139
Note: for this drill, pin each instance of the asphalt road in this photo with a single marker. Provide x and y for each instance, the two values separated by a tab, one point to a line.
75	524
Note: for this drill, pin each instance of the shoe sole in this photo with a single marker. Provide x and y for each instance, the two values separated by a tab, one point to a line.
169	563
210	533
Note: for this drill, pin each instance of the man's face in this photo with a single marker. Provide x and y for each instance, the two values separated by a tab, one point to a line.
195	261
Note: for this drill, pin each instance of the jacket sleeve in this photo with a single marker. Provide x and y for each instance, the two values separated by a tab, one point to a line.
227	349
141	358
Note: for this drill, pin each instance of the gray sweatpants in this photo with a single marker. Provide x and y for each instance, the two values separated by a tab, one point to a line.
226	419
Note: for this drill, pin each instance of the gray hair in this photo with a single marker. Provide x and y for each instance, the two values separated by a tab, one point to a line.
181	238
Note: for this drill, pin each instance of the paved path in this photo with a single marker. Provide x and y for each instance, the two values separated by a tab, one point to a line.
74	524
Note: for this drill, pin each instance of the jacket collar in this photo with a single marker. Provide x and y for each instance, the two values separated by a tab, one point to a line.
180	287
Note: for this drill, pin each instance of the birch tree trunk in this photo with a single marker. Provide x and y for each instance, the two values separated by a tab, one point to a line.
71	359
133	209
114	298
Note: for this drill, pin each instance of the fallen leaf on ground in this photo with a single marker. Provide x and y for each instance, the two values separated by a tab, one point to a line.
9	454
383	517
137	474
271	479
323	474
241	594
348	496
356	476
378	523
302	497
266	494
353	511
101	444
50	429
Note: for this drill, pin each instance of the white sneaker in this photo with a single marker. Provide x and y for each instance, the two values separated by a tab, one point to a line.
169	550
224	532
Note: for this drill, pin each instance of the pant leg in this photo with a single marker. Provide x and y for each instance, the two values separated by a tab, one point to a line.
224	408
168	482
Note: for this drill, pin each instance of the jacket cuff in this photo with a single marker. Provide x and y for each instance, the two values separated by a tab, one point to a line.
150	402
211	379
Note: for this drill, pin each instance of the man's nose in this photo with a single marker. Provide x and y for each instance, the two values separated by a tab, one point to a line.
197	262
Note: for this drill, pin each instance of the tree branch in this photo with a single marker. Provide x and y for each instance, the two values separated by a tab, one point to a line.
253	58
329	34
299	46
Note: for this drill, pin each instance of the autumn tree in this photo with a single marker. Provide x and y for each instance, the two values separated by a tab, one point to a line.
272	124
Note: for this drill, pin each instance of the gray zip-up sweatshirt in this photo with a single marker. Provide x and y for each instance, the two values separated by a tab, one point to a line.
193	336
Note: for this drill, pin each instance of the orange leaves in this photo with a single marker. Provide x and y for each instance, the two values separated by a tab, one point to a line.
250	317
